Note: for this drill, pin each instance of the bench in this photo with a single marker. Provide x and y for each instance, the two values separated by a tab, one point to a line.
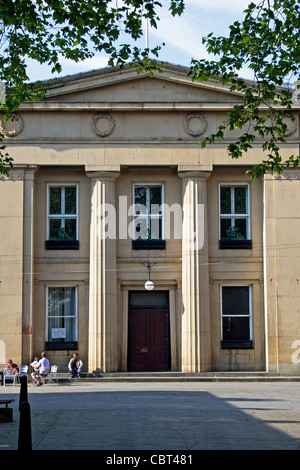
6	414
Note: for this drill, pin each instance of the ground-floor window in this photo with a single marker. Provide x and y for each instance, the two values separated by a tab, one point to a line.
61	315
236	307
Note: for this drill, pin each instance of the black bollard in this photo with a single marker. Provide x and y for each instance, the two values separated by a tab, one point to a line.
25	441
23	390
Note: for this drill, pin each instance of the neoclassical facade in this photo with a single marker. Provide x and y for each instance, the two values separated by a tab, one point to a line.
110	189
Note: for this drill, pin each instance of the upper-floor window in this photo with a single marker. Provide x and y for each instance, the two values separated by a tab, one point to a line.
234	216
62	220
148	216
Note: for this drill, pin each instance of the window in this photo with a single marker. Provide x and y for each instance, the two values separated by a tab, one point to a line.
234	216
61	318
62	217
148	217
236	317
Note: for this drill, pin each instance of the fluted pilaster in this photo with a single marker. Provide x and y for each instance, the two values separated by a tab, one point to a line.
195	354
103	279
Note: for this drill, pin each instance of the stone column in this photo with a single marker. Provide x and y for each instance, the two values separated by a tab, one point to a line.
102	355
195	351
28	264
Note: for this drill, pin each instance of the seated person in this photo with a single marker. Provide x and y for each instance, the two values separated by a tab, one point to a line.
34	372
42	367
75	366
13	366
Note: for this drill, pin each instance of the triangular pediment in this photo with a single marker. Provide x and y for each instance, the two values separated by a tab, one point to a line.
124	86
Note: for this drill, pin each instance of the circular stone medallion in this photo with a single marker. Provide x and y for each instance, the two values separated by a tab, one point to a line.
103	124
194	124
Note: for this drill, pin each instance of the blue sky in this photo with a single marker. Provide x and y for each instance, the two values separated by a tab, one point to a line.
182	36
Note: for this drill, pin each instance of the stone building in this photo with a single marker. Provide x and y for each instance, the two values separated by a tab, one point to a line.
109	189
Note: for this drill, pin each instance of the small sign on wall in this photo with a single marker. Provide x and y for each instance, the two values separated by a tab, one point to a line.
58	333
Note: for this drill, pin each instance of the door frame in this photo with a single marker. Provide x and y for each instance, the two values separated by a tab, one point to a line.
174	321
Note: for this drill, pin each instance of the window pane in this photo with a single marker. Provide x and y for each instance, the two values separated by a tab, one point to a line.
54	229
141	228
225	200
156	228
70	229
225	227
240	199
155	195
140	195
61	301
70	325
235	300
143	299
70	200
55	200
241	225
236	328
61	329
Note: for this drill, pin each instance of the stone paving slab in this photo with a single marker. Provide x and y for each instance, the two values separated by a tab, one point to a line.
158	416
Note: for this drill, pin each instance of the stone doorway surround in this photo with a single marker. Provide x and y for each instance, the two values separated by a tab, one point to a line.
174	301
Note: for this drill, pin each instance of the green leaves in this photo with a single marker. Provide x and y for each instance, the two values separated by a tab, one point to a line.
48	30
267	41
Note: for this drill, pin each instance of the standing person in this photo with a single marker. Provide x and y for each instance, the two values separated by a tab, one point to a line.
43	367
75	366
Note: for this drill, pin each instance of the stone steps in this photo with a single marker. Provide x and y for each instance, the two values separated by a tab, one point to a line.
179	377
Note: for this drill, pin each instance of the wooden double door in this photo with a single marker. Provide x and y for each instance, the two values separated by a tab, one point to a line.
148	332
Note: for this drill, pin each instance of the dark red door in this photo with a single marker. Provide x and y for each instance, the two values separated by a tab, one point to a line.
148	339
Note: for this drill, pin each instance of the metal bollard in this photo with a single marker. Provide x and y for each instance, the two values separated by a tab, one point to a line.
23	390
25	440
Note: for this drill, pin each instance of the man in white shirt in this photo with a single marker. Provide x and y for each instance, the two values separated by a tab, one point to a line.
43	367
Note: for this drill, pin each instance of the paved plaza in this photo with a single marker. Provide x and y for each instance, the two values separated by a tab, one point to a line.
154	416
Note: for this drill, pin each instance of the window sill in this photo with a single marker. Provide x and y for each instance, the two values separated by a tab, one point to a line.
59	346
62	245
235	344
235	244
148	244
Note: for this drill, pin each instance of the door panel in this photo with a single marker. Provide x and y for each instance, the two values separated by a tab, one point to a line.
148	339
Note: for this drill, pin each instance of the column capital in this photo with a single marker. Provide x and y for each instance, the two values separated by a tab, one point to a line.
195	174
103	175
102	172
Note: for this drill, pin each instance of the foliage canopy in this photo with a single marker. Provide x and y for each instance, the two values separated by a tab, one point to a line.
267	41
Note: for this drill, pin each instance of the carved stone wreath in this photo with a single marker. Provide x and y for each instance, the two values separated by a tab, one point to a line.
17	124
202	124
294	125
111	124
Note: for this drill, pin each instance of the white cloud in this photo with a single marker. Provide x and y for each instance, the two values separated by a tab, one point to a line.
225	5
96	62
182	35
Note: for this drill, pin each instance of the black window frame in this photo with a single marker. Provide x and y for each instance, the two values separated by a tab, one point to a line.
236	321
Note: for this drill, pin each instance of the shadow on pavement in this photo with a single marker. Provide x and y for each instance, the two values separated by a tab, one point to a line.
153	420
